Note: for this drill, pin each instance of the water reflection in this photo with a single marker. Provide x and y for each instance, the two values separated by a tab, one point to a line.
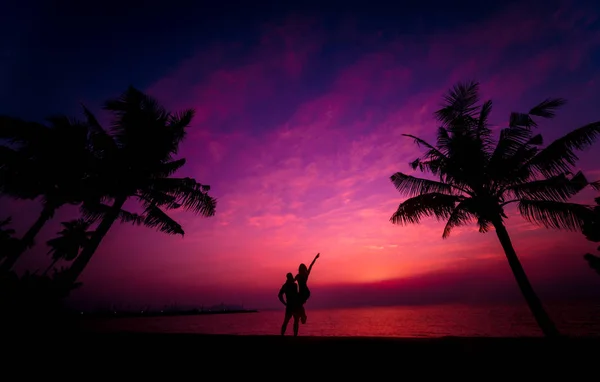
431	321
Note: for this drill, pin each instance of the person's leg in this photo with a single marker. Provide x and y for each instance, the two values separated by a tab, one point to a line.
302	314
286	319
304	299
296	325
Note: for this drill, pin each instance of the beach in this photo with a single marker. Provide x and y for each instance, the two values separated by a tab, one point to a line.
137	354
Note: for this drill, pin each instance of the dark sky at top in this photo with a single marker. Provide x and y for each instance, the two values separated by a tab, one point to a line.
54	53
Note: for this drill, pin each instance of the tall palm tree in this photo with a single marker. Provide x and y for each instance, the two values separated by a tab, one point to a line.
46	162
7	239
478	176
137	155
71	239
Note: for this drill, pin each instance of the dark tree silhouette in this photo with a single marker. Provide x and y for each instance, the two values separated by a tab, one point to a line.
478	176
7	239
591	230
137	161
71	239
47	162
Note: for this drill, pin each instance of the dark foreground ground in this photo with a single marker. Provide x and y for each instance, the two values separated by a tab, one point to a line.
120	356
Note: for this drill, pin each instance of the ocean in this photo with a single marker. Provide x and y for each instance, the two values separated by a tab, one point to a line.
574	319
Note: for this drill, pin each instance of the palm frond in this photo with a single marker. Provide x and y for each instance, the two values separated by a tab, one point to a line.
547	108
93	211
432	153
484	133
411	186
595	185
167	169
553	214
190	194
427	166
460	102
558	188
178	121
60	121
158	198
484	224
431	161
137	116
133	99
526	151
511	140
460	216
444	140
97	211
521	120
197	200
154	217
6	222
16	130
559	156
99	137
412	210
513	169
71	239
484	113
130	217
182	119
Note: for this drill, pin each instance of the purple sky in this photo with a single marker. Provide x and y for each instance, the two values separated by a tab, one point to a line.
298	129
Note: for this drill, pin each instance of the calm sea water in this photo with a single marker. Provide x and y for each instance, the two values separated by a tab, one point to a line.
401	321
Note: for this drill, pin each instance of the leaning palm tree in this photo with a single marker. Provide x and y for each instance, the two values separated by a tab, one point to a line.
71	239
7	239
478	176
137	156
5	232
49	163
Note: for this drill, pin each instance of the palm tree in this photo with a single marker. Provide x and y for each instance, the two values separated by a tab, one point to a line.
137	156
591	230
7	239
478	176
71	239
47	162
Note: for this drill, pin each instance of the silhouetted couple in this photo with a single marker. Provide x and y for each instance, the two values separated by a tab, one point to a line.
296	296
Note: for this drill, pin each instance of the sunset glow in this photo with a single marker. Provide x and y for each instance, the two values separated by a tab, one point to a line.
298	132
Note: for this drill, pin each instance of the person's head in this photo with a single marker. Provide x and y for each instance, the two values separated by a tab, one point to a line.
302	269
289	277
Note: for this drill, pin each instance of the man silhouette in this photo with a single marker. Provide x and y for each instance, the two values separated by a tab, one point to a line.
291	302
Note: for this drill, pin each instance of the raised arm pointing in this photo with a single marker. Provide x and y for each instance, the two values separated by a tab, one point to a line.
313	262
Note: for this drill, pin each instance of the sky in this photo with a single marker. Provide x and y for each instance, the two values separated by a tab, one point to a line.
300	111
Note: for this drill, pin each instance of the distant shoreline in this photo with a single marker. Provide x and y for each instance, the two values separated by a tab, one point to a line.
164	313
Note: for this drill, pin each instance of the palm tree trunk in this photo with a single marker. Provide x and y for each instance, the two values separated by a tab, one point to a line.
537	309
54	261
88	251
28	238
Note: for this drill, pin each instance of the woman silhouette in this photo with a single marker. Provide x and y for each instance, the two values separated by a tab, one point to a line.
304	292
